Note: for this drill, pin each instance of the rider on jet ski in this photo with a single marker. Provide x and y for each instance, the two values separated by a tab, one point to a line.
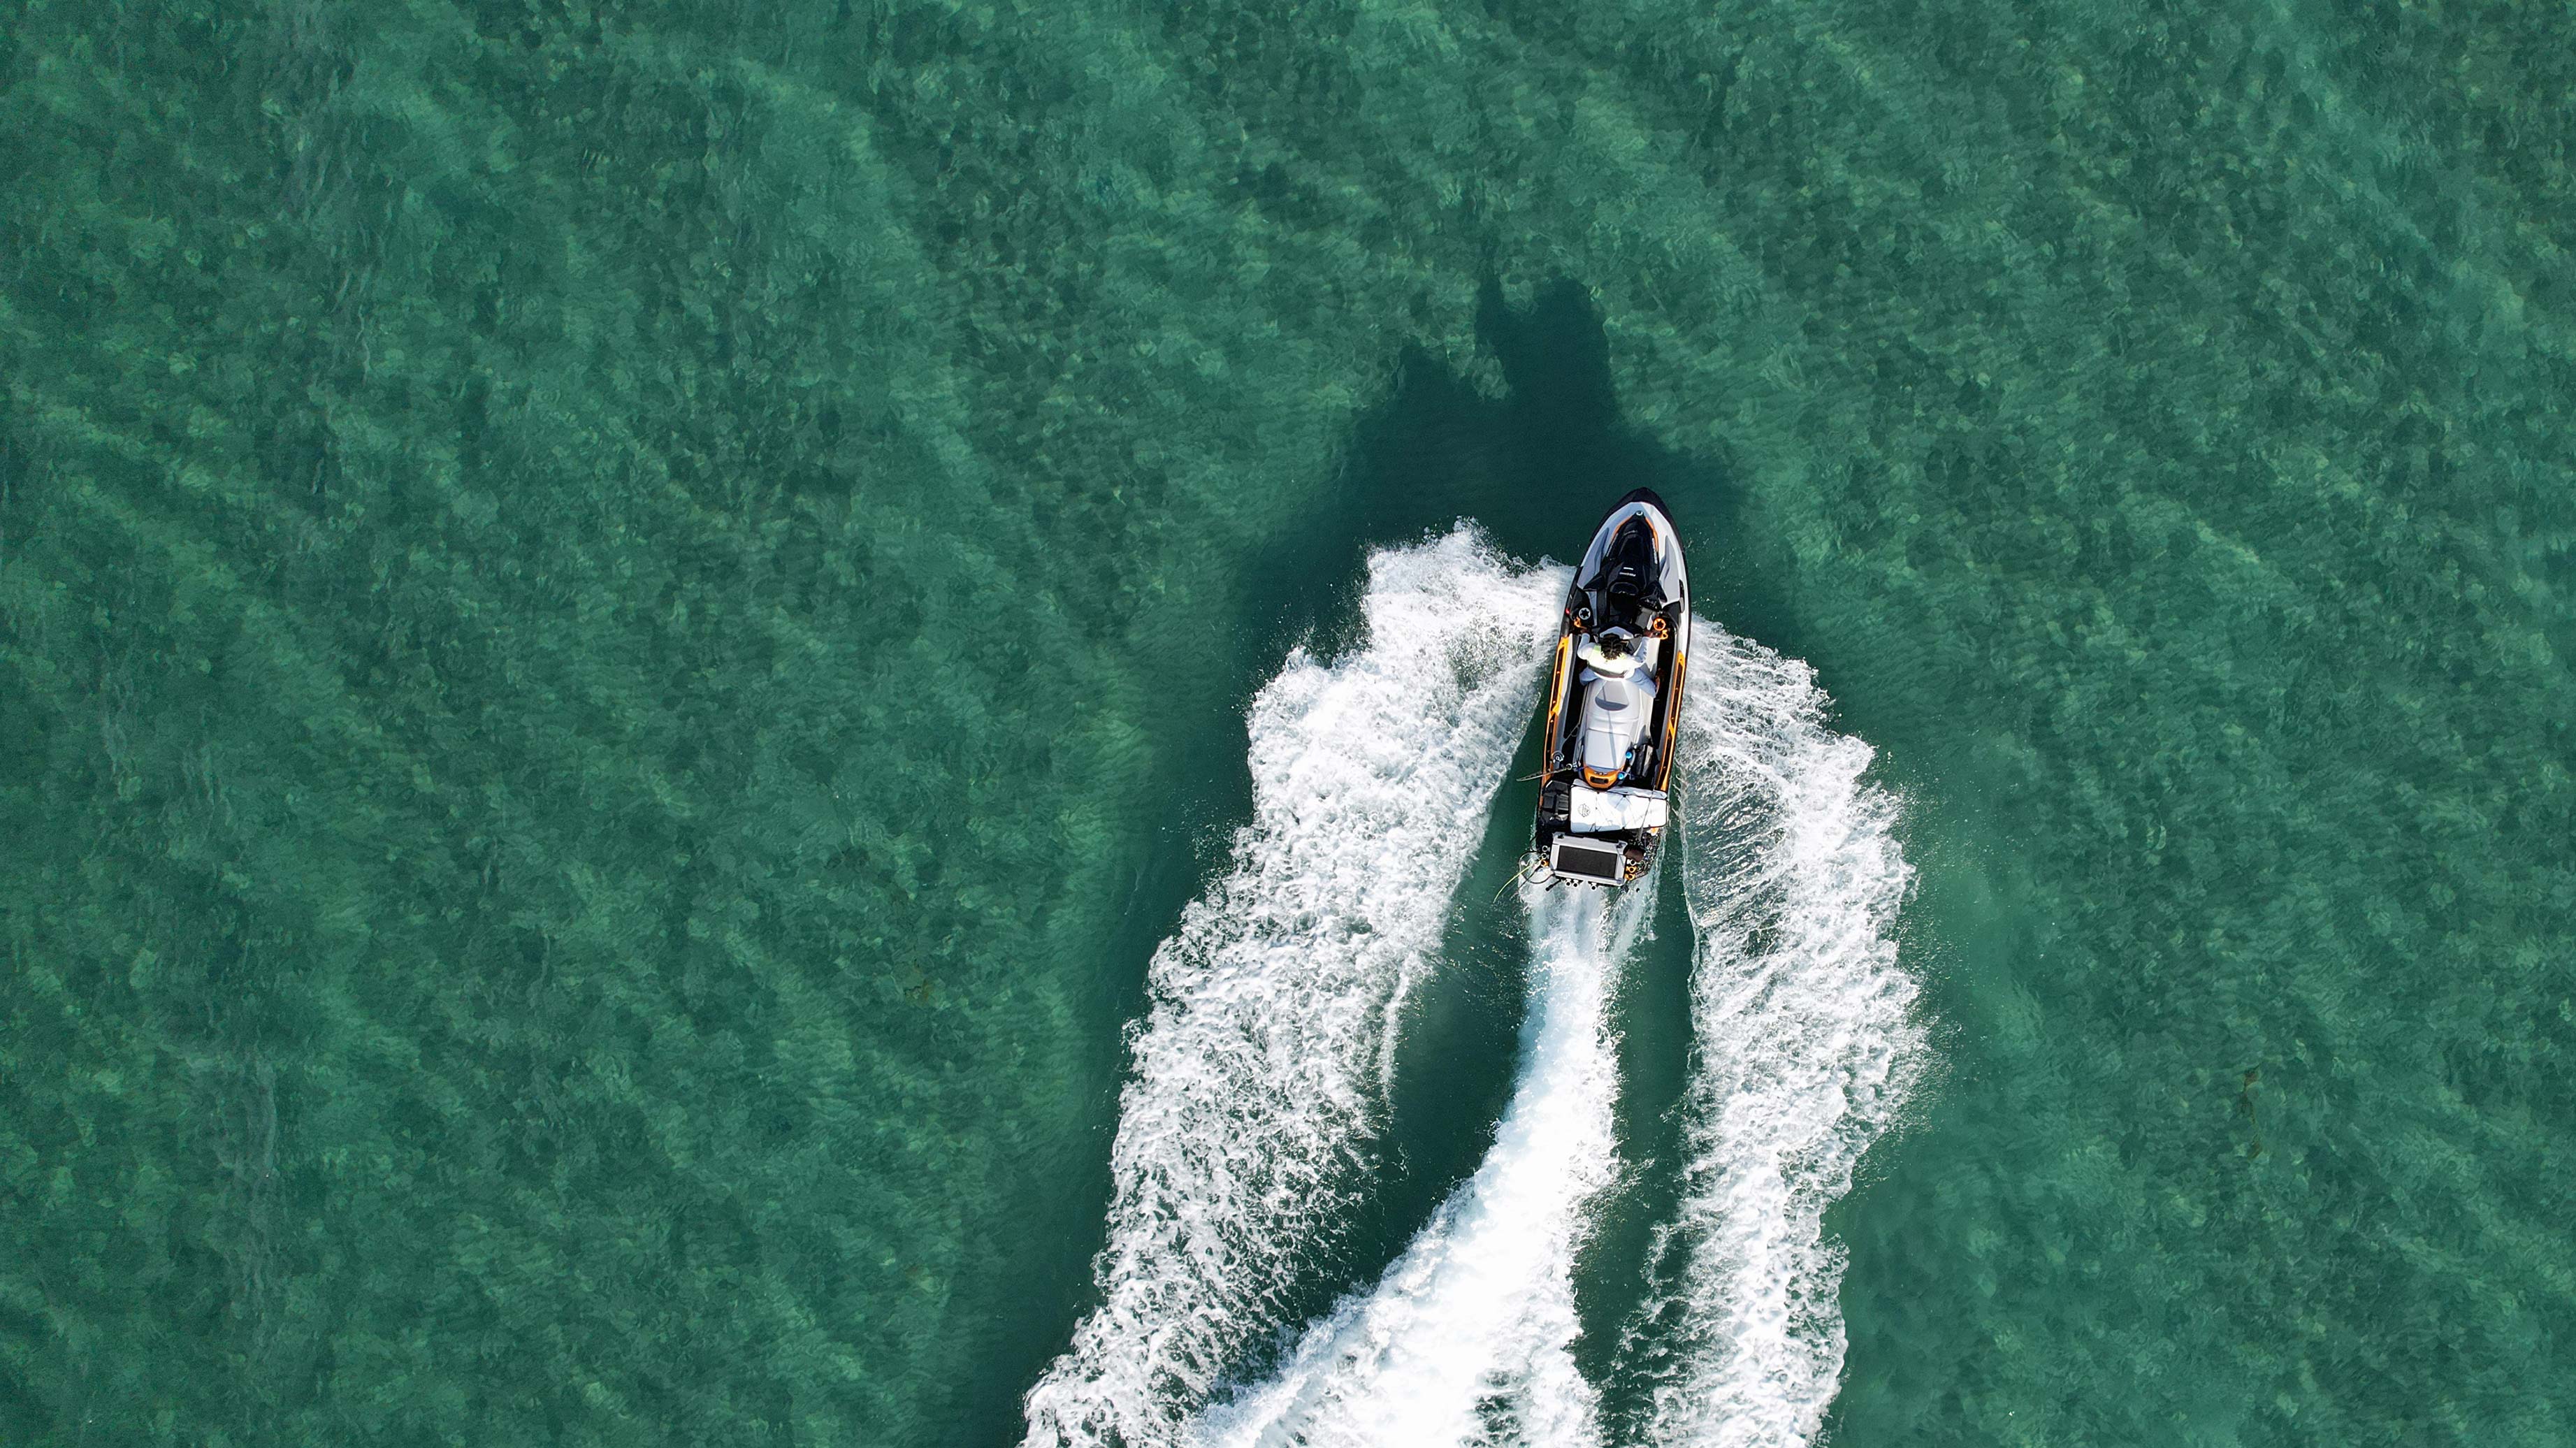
1632	600
1614	699
1611	653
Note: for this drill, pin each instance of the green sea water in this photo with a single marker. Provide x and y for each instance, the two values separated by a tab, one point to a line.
620	630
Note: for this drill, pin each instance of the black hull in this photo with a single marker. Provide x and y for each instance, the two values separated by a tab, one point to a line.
1601	823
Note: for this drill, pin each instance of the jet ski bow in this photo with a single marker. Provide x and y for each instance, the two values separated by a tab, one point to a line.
1614	700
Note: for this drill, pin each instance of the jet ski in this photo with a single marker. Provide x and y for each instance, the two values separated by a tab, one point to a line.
1614	701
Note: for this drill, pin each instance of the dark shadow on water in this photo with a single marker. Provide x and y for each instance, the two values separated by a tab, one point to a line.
1537	467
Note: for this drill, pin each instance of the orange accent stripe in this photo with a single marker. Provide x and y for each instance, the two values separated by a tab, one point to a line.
1672	722
1556	695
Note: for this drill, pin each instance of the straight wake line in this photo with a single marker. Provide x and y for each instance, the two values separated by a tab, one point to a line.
1469	1336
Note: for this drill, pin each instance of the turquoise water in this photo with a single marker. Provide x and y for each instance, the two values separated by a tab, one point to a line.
621	633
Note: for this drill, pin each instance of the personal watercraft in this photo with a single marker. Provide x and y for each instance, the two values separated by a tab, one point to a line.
1614	700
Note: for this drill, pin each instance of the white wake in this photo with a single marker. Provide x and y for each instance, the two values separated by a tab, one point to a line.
1805	1046
1260	1069
1469	1337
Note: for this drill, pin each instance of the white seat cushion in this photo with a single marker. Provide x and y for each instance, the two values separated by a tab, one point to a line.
1601	811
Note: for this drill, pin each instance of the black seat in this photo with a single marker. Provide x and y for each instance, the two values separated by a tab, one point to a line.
1629	582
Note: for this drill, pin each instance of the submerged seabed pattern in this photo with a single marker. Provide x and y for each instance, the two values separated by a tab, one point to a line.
622	628
1264	1066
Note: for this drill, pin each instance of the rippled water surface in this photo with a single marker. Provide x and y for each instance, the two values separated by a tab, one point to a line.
768	722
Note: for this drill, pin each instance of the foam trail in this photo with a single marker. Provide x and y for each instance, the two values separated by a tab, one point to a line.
1259	1071
1805	1048
1469	1337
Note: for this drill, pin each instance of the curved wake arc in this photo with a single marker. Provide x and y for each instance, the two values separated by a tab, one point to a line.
1805	1047
1262	1065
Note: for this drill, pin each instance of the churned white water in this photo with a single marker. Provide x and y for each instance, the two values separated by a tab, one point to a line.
1260	1068
1469	1337
1805	1045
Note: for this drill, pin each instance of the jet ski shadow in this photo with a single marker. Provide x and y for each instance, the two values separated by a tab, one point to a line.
1533	465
